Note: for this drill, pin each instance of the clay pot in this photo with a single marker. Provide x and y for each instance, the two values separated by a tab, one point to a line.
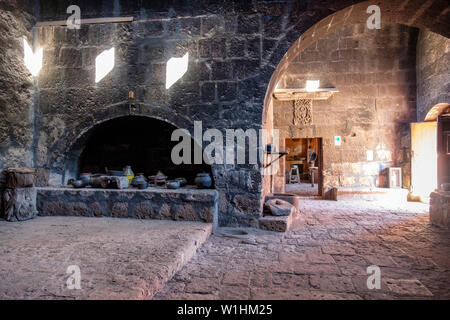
203	181
159	179
182	181
172	184
445	186
142	185
78	184
85	177
137	180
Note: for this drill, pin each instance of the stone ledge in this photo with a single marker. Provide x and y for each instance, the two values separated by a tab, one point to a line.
152	203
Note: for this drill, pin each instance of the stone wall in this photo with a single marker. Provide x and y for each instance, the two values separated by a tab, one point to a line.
374	71
234	47
16	88
433	72
440	208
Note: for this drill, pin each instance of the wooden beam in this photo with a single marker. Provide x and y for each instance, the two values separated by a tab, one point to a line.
295	94
86	21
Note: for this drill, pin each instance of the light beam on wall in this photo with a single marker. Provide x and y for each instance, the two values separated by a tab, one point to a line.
175	69
33	61
104	63
312	85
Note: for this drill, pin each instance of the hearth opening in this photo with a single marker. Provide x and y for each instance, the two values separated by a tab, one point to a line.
142	143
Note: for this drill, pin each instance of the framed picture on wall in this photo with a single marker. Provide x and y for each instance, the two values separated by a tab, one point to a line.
395	177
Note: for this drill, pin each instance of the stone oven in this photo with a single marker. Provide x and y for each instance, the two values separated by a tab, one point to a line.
143	143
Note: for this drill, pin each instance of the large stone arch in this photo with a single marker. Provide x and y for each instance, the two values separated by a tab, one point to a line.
425	15
428	15
438	109
68	148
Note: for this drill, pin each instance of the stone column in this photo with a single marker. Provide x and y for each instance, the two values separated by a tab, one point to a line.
19	197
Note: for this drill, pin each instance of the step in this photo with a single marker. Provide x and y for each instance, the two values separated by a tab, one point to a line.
152	203
116	258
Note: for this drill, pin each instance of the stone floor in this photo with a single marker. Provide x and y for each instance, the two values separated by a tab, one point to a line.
325	257
302	189
117	258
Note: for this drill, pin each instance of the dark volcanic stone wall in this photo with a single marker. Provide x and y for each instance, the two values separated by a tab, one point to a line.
16	120
16	88
433	72
234	47
374	71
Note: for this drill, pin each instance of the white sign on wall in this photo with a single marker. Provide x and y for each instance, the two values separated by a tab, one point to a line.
337	140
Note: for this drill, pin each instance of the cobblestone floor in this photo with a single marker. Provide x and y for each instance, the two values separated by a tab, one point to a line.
302	189
325	257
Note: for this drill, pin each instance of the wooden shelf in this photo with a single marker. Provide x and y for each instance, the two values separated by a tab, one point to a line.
296	94
86	21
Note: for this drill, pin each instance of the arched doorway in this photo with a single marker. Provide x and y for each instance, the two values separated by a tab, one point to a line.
430	152
394	13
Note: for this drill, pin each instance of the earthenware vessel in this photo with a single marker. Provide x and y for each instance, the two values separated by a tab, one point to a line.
203	180
182	181
85	177
78	184
172	184
159	179
127	172
137	180
142	185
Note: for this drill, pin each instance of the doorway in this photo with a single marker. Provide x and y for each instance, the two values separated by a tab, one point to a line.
424	160
304	166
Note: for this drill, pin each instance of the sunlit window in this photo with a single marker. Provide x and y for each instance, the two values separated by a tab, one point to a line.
104	63
175	69
33	60
312	85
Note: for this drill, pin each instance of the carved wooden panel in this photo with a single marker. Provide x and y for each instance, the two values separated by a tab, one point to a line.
303	112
